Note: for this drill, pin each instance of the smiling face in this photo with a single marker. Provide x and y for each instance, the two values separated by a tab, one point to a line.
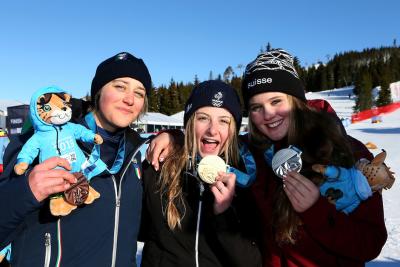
120	103
211	128
270	113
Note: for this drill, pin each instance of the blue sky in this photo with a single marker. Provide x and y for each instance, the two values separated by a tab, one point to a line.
61	43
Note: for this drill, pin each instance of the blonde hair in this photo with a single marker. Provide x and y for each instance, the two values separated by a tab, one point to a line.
172	171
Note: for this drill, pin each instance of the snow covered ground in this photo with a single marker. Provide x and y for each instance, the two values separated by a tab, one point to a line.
386	135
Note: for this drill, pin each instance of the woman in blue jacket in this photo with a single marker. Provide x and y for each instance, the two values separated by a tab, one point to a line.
103	233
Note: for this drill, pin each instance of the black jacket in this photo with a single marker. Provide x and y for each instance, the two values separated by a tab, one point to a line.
224	240
89	233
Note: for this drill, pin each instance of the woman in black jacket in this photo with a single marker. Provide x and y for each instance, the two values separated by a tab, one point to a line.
187	222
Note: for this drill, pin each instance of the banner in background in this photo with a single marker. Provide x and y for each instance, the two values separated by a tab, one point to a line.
16	116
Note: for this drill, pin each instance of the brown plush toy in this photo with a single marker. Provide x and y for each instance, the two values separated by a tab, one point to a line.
377	173
50	112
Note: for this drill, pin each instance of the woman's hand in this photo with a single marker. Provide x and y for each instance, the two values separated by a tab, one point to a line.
44	180
301	192
160	147
223	190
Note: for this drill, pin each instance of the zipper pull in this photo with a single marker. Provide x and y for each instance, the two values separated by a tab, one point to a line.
201	189
47	239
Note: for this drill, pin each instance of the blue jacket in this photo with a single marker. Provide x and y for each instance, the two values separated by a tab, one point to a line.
91	235
54	140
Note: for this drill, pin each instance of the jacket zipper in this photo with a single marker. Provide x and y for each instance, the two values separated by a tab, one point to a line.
47	244
196	249
116	220
118	202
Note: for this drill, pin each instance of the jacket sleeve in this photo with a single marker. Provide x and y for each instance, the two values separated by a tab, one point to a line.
82	133
234	231
359	235
16	198
30	150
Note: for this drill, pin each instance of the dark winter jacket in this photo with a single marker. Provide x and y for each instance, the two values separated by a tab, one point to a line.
224	240
91	235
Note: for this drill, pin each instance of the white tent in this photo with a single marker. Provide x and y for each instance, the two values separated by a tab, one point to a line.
154	122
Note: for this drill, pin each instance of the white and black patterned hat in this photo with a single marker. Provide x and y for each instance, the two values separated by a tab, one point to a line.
214	93
272	71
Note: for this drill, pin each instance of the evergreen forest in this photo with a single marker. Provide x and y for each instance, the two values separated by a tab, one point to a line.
364	70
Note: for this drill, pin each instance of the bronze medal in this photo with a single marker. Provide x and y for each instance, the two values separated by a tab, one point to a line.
78	192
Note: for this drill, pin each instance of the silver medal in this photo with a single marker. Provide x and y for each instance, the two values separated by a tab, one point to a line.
286	160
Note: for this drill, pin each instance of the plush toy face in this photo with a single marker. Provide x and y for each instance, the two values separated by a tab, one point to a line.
54	108
377	173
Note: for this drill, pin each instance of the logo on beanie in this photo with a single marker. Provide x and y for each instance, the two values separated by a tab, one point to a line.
122	56
258	81
189	106
216	101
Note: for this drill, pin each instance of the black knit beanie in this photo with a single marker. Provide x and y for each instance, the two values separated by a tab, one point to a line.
214	93
272	71
121	65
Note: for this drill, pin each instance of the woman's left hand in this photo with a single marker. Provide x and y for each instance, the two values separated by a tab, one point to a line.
223	190
301	192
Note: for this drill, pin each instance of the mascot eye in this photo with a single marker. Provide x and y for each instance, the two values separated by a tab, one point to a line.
47	108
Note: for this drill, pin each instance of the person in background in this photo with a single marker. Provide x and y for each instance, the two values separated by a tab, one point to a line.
105	232
187	222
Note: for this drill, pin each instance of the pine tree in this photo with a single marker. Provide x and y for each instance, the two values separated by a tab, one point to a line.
211	76
153	101
363	88
330	76
164	100
228	73
196	80
173	98
384	97
268	48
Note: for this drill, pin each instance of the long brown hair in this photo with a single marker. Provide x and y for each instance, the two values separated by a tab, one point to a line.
320	139
170	186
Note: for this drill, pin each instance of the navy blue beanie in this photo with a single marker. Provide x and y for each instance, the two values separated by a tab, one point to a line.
121	65
272	71
214	93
